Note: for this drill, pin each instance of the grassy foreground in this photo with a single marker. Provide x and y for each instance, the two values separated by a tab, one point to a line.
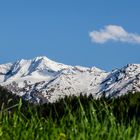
72	118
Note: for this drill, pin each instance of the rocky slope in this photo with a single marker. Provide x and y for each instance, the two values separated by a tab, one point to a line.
42	80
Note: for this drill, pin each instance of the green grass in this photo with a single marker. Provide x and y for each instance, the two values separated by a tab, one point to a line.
72	118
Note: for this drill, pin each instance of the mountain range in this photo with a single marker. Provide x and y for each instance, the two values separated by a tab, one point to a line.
41	80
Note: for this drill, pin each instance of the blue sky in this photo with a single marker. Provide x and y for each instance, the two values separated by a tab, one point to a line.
60	30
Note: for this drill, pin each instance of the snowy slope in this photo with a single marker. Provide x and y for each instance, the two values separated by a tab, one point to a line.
42	80
121	81
36	70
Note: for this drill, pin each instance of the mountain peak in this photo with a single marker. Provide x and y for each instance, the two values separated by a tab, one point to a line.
41	58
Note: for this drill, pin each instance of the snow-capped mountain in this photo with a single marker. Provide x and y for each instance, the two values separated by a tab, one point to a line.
42	80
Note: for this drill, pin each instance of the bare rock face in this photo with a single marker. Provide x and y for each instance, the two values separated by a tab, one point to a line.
42	80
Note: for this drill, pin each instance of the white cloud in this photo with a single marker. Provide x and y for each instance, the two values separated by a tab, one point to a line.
115	33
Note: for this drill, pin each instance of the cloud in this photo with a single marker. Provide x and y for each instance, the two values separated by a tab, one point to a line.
115	33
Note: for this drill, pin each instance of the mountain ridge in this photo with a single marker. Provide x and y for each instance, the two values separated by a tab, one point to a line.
41	80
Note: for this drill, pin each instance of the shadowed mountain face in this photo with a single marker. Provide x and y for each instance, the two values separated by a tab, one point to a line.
42	80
